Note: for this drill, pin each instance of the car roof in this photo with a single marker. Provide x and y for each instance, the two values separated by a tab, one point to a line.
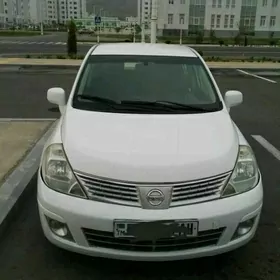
143	49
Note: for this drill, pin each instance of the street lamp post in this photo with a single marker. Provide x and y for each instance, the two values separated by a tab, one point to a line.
99	29
142	22
41	10
181	35
154	22
134	33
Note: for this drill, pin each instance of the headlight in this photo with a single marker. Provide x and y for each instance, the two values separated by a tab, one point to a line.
57	173
245	175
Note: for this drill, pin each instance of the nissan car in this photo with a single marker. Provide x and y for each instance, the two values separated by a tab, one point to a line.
145	162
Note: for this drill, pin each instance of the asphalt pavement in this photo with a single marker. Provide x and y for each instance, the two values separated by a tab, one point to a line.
55	43
47	37
25	48
26	255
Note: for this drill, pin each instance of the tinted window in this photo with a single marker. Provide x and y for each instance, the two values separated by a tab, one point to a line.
145	78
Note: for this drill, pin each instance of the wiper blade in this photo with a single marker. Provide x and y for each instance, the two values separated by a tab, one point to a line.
166	105
109	102
97	99
184	106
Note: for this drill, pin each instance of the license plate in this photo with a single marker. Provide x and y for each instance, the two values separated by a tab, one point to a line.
152	230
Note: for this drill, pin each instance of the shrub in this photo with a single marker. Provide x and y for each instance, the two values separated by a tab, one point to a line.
200	52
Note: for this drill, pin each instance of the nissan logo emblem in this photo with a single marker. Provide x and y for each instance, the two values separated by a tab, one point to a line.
155	197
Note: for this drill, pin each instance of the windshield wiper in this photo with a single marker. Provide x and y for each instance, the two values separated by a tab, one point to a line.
111	103
96	99
167	105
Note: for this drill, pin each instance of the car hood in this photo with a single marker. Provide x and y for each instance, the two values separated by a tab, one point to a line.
150	148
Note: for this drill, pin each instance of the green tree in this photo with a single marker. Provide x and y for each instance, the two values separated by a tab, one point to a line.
272	41
72	39
199	37
137	29
212	36
117	29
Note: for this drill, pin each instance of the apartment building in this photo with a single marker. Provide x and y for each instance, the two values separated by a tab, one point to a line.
144	12
13	11
225	17
67	9
2	14
37	11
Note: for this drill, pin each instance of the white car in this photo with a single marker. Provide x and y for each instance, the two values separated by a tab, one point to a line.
145	162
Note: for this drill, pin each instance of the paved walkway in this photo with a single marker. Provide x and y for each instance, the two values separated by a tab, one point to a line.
16	139
69	62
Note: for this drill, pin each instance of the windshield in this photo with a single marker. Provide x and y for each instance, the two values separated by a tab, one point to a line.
146	84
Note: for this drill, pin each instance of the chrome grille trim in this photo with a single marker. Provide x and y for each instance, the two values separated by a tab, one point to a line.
109	191
126	193
198	191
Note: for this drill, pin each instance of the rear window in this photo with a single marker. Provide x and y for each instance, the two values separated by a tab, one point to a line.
177	80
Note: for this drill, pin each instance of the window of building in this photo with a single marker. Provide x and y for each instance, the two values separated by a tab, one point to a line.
219	3
274	3
233	3
183	2
196	21
218	22
231	23
264	3
227	4
226	21
212	21
171	1
262	21
272	21
182	18
170	18
214	3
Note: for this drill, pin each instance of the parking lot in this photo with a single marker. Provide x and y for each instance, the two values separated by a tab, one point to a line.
26	255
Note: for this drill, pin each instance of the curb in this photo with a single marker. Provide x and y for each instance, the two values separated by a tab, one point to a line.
14	189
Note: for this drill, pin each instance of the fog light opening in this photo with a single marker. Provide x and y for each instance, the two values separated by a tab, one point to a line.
59	229
244	228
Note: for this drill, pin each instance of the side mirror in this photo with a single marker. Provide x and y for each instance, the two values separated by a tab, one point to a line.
233	98
57	96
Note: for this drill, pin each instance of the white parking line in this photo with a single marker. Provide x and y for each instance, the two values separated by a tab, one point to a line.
256	76
269	147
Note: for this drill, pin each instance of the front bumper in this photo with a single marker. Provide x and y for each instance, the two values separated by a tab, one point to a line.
95	216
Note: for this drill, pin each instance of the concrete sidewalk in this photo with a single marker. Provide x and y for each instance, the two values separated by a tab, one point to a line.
77	63
21	146
16	139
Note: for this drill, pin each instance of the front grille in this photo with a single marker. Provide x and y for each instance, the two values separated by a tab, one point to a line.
128	193
109	190
198	191
104	239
